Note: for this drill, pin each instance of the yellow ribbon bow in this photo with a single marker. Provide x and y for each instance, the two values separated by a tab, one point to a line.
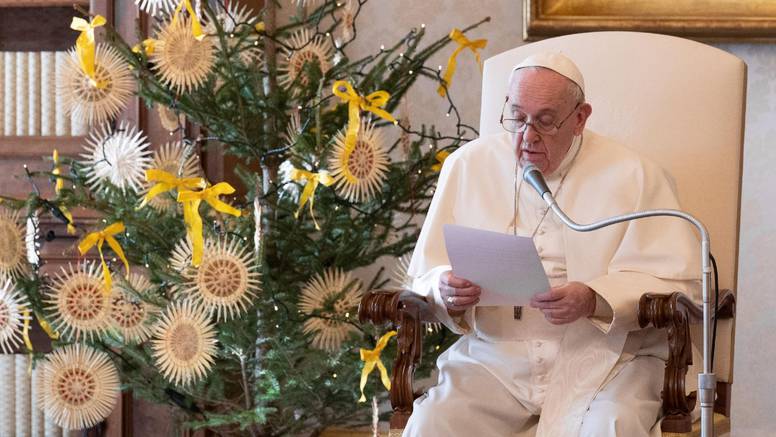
196	27
191	201
59	182
58	185
313	179
440	157
26	329
372	103
167	182
149	45
69	216
463	43
54	335
371	358
85	45
100	237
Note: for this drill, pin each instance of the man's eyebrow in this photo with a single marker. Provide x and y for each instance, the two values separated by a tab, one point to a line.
541	111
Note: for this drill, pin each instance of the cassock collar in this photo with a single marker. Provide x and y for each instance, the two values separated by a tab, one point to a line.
565	164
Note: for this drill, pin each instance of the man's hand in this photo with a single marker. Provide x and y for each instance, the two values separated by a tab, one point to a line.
458	293
566	303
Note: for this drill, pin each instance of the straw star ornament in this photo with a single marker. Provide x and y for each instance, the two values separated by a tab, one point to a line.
79	386
184	343
330	300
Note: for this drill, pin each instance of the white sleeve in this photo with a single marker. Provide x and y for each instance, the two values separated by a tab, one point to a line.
429	260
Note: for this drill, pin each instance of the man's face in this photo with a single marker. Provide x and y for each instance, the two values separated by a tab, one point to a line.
542	96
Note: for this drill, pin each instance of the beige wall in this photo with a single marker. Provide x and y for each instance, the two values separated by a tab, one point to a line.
755	345
755	355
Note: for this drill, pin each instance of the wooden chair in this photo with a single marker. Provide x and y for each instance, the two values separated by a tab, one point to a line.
681	104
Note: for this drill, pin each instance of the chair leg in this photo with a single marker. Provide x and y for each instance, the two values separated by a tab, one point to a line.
722	403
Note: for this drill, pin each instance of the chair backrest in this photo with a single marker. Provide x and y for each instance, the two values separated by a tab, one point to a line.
679	102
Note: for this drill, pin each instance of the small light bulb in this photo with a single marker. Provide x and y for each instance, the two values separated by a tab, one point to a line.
422	25
382	47
334	375
410	71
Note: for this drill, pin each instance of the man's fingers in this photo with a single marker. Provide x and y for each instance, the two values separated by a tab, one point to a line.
549	296
469	292
455	281
547	305
455	302
557	313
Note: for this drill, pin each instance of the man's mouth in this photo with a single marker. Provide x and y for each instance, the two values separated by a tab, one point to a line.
531	155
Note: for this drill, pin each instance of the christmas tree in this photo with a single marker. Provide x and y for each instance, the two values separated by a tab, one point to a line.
240	310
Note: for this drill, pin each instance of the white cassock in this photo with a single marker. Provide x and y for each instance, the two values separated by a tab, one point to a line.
598	376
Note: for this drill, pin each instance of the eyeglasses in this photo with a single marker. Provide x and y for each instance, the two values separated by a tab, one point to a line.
517	125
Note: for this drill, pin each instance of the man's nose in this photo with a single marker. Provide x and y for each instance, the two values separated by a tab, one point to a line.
530	135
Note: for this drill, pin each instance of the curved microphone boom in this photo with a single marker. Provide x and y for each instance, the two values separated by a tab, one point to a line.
707	381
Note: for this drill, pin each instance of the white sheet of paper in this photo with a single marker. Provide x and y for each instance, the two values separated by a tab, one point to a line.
506	267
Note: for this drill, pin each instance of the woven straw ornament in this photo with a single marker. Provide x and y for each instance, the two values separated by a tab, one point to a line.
330	300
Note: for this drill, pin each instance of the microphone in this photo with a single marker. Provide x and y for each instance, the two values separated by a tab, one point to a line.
533	176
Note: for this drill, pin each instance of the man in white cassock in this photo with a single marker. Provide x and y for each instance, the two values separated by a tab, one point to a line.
574	363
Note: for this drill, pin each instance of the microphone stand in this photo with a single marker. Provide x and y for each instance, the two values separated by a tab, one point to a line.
707	381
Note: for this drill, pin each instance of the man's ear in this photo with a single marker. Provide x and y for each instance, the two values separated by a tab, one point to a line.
582	115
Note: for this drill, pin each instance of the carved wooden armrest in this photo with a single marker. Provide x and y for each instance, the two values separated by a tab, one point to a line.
676	312
406	311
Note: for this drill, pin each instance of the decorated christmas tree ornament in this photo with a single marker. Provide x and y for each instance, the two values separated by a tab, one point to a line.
184	343
77	302
294	128
79	386
96	104
226	281
154	6
129	314
14	314
400	279
237	22
304	48
182	60
169	119
174	159
117	157
13	243
348	20
180	259
360	173
330	300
